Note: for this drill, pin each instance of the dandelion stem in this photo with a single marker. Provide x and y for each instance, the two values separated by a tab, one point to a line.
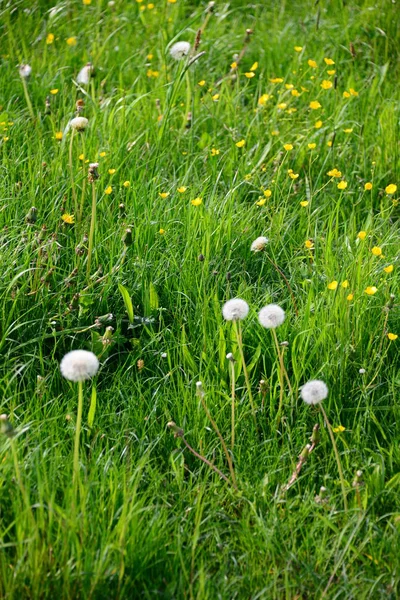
281	370
217	431
27	98
238	330
232	370
77	435
91	232
339	464
204	459
71	171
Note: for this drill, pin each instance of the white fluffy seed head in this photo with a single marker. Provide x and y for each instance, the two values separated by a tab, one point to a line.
84	74
235	310
79	123
259	244
25	71
314	391
271	316
179	50
79	365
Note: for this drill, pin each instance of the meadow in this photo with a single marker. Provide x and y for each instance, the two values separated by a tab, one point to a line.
143	186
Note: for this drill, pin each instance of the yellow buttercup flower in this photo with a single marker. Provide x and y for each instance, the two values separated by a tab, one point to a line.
309	244
214	152
282	105
67	218
334	173
215	97
241	143
81	157
276	80
312	63
234	65
261	201
362	235
331	72
332	285
368	186
293	175
298	48
87	2
50	38
263	99
162	231
376	251
254	66
350	297
392	336
388	269
371	290
288	147
267	193
249	74
163	194
353	92
329	61
103	154
345	284
72	41
202	82
339	429
346	95
111	171
314	105
126	184
318	124
196	202
108	190
59	135
348	130
342	185
326	84
54	92
304	203
182	189
312	146
391	188
275	132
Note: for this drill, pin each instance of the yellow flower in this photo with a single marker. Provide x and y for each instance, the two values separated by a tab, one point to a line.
149	57
342	185
172	1
182	189
59	135
276	80
329	61
87	2
289	86
50	38
202	82
371	290
332	285
67	218
368	186
282	105
162	231
348	130
312	146
111	171
362	235
5	139
234	65
312	63
108	190
331	72
288	147
81	157
293	175
241	143
261	201
376	251
314	105
350	297
334	173
150	6
346	95
267	193
309	244
318	124
353	92
392	336
275	132
196	202
388	269
54	92
214	152
163	194
339	429
103	154
72	41
215	97
326	84
263	99
249	75
254	66
295	93
298	48
345	284
391	188
126	184
304	203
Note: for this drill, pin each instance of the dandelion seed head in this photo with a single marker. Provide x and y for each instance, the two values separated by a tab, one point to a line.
179	50
79	365
259	244
25	71
84	74
314	391
235	310
79	123
271	316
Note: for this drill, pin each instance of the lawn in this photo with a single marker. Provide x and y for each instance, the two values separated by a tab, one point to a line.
144	185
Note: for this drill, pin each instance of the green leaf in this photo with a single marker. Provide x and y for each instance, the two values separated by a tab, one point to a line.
92	409
127	301
154	302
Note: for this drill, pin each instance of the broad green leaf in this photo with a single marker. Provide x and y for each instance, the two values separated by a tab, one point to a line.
127	301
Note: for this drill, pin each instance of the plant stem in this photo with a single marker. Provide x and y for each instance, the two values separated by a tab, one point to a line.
72	173
339	464
204	459
232	370
77	435
238	330
91	232
27	98
281	369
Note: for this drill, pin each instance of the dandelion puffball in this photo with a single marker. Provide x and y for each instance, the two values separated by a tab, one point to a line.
259	244
84	74
179	50
271	316
313	392
25	71
79	365
79	123
235	309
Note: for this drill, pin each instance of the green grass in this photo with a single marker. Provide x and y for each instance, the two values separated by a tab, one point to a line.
151	520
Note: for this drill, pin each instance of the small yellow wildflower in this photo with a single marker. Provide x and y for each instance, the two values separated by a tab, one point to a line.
353	92
202	82
392	336
163	194
263	99
267	193
59	135
368	186
67	218
162	231
314	105
126	184
371	290
295	93
282	105
108	190
304	203
241	143
293	175
312	146
331	72
72	41
342	185
350	297
309	244
54	92
234	65
254	66
103	154
326	84
150	6
298	48
111	171
81	157
214	152
346	94
312	63
362	235
196	202
388	269
348	130
334	173
332	285
182	189
215	97
249	74
149	57
275	132
391	188
276	80
339	429
261	201
345	284
329	61
376	251
87	2
50	38
288	147
318	124
289	86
